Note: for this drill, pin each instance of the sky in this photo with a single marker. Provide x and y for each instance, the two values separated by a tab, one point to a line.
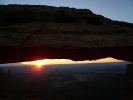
40	63
64	61
121	10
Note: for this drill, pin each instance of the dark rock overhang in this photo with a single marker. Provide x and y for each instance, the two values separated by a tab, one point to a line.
29	32
12	55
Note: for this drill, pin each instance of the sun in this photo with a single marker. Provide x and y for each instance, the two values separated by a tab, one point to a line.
39	63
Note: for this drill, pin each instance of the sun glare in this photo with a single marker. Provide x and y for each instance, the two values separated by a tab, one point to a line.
37	63
40	63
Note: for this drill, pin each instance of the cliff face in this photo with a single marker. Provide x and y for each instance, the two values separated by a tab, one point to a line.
45	26
62	28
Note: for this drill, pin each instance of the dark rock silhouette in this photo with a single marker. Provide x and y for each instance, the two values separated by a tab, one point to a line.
28	32
130	81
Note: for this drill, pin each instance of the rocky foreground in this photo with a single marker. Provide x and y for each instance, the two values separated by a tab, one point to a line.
30	32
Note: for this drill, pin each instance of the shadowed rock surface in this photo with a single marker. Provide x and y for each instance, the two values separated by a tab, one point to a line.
29	32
